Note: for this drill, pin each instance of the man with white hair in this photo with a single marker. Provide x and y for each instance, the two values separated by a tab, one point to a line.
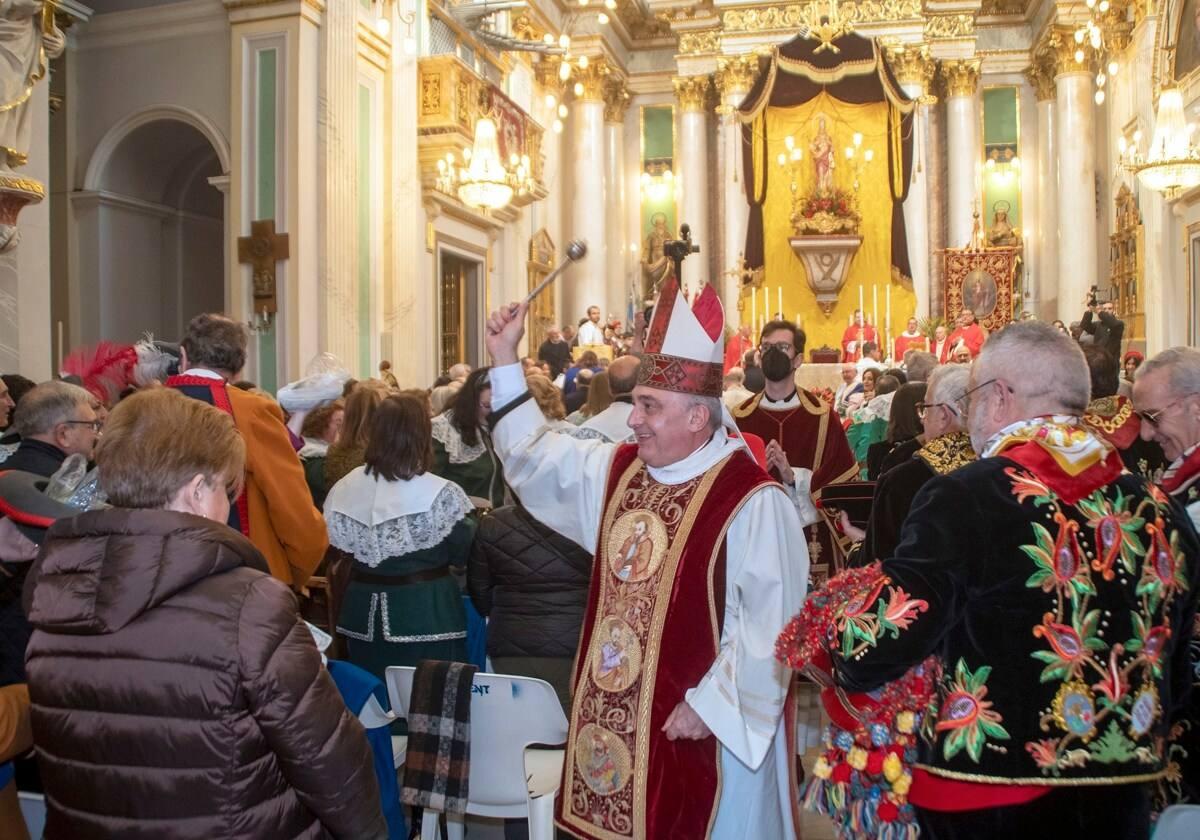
945	446
1056	590
849	395
1166	398
677	726
735	391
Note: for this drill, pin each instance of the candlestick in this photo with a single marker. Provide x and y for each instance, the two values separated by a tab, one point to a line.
798	324
779	299
875	305
753	312
889	307
862	310
766	305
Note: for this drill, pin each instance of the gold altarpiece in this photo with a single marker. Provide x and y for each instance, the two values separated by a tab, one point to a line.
1126	280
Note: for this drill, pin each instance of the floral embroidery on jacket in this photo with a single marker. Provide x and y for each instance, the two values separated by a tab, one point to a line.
966	715
1106	703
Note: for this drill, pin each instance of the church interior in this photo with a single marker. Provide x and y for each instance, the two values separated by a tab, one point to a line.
369	178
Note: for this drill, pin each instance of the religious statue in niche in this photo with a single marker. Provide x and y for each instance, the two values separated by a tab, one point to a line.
1002	234
823	158
656	266
29	38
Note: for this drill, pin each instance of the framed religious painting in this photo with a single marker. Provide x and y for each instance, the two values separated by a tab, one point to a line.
981	281
1187	39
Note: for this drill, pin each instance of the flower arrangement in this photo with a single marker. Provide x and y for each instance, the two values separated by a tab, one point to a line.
835	211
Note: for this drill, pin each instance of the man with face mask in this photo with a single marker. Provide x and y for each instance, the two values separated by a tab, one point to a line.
721	562
802	433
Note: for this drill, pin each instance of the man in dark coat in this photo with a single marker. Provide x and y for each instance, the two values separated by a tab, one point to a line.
555	352
54	420
1103	325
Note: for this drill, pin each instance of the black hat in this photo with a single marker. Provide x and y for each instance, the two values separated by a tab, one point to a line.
23	499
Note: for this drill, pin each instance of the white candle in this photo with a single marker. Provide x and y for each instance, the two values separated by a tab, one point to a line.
875	304
798	319
779	298
766	305
862	310
889	308
753	312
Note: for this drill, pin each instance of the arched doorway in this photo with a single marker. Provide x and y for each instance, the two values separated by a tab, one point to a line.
151	229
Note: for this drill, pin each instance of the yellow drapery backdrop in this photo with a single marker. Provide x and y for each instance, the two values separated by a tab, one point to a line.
872	264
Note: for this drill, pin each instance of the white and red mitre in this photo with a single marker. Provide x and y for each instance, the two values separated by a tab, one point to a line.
685	347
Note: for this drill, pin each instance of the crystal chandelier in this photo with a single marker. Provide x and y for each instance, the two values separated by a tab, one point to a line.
484	181
1172	164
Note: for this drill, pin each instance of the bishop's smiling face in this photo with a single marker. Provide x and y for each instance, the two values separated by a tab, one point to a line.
667	426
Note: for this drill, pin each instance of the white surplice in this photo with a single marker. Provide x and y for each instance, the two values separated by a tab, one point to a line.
562	482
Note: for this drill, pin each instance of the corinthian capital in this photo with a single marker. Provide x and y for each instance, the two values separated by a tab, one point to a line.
616	99
691	91
912	65
961	76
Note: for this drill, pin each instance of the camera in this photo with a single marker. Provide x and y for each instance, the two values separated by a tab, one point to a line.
1094	298
678	249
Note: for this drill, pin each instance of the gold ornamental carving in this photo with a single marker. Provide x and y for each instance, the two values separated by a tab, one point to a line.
1041	77
961	76
591	79
783	18
616	99
1062	53
1004	7
703	42
691	91
431	94
736	74
913	65
948	27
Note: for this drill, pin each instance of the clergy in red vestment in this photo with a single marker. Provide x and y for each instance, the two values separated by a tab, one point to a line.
737	347
677	724
910	339
855	336
969	333
806	444
941	344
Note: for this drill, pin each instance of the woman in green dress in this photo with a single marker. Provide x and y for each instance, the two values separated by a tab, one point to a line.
404	528
462	451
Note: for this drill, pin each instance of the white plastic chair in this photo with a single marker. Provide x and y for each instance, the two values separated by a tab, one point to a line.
1179	822
507	779
33	809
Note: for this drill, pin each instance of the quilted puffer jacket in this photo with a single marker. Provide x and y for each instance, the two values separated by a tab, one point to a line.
531	582
177	694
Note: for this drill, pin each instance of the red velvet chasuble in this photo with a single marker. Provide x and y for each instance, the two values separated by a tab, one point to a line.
212	391
812	437
651	632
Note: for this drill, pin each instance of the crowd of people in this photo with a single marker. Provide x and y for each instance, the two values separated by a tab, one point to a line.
659	523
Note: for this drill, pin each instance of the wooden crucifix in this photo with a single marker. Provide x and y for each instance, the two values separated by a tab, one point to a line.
263	249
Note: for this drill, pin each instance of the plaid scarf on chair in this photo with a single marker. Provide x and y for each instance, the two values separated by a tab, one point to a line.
438	762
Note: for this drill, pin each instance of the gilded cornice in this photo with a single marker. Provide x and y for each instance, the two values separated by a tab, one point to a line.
1004	7
735	74
912	65
691	91
960	76
700	42
949	27
789	17
616	99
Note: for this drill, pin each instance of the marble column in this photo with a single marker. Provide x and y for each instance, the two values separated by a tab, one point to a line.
964	146
1075	117
589	202
616	100
339	131
1043	235
692	91
733	79
914	70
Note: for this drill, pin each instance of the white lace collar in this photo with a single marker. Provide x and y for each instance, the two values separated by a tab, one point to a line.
456	449
371	499
374	519
700	461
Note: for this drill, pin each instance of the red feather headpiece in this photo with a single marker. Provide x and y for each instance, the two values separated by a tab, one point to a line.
105	370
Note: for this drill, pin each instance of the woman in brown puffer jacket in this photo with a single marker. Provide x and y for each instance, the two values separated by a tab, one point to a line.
176	693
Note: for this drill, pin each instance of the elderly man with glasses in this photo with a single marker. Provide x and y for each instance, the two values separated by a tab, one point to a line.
55	420
1166	397
1055	592
944	447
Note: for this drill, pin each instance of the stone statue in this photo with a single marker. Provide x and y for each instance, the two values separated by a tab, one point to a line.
823	157
1001	233
28	39
655	263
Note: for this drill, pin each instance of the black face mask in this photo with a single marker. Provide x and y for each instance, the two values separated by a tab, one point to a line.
776	365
